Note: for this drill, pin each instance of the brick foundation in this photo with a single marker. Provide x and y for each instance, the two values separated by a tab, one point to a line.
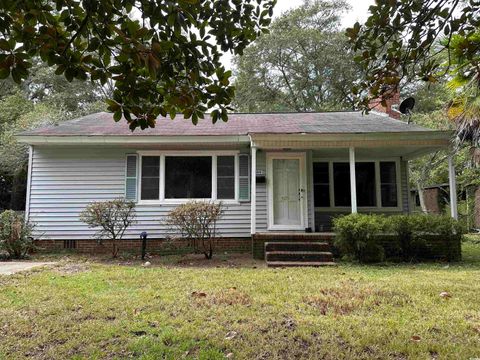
157	246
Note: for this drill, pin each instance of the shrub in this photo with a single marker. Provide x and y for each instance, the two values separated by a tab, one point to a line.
407	229
367	238
196	221
113	217
449	230
15	234
356	234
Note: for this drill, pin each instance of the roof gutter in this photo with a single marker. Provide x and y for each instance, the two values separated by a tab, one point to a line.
125	140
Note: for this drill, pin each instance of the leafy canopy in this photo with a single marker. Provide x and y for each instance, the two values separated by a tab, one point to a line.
303	64
163	56
413	39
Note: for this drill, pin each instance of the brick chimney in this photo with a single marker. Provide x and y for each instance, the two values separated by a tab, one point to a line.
394	99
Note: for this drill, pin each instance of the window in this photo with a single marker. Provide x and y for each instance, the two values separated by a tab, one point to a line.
177	176
150	177
341	184
321	184
365	180
225	177
388	184
188	177
376	183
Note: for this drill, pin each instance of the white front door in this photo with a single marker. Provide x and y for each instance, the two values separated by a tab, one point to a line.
286	191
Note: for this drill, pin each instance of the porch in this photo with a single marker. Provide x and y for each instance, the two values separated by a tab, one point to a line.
300	182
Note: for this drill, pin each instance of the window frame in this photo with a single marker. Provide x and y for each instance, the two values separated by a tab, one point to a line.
200	153
378	193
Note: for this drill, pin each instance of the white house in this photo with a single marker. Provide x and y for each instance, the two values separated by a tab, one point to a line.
274	172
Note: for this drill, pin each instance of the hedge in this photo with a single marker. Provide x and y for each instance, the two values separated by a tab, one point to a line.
374	238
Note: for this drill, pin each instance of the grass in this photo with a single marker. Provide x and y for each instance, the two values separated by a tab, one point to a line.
178	308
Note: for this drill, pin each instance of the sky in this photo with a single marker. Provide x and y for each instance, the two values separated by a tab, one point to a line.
358	12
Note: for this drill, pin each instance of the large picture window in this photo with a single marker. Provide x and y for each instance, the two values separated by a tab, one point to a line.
170	177
376	184
188	177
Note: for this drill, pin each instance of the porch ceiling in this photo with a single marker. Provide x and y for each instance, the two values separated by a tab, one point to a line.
407	152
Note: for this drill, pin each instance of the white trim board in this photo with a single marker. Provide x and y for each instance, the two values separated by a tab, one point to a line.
162	154
132	139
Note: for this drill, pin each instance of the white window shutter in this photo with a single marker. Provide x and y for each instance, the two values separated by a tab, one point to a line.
244	177
131	172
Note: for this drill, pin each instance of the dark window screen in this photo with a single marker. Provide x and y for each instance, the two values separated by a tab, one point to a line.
225	177
150	177
321	191
341	184
388	184
365	179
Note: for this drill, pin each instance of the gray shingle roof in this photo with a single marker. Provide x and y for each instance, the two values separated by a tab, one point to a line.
102	124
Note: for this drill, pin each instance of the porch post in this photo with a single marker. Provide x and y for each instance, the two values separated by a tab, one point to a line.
453	187
253	191
353	181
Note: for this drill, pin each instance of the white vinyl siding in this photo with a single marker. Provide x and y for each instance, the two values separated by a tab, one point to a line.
66	179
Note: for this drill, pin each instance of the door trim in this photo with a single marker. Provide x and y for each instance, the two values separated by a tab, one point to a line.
301	156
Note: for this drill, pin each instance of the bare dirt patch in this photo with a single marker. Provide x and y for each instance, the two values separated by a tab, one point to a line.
350	296
228	297
224	260
71	268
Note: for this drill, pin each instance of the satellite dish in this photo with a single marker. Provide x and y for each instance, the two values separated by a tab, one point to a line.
407	105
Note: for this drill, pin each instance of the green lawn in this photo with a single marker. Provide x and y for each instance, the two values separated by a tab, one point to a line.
240	309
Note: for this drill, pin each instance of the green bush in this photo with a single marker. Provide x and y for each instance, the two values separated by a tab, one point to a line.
356	235
370	238
406	229
449	230
15	234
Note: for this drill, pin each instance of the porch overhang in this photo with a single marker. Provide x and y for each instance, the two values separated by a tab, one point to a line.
409	144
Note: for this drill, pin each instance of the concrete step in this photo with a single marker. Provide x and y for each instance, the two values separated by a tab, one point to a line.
298	263
301	256
296	246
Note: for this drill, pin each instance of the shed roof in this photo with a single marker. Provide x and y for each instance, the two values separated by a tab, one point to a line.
102	124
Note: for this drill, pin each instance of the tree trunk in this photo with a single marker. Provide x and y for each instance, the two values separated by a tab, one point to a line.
422	198
19	190
114	249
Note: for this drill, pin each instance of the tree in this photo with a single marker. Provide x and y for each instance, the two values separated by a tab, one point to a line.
75	98
43	99
112	217
303	64
409	40
164	56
